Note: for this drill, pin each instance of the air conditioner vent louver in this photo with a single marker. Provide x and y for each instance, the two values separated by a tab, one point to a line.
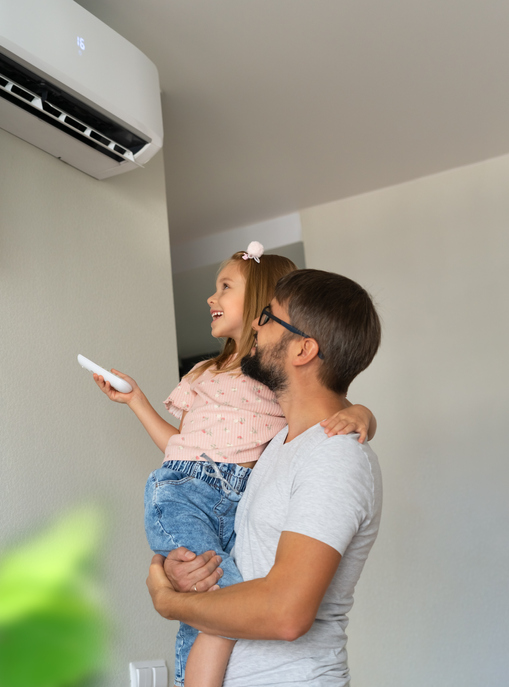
49	103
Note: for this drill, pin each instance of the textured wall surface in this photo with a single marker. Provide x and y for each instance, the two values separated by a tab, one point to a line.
432	606
84	268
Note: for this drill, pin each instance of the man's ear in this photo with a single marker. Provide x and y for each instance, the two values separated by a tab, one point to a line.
308	350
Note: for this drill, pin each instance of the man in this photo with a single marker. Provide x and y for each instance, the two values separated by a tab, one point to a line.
311	511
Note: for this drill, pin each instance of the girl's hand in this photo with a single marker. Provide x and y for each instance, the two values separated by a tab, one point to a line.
355	418
112	393
188	572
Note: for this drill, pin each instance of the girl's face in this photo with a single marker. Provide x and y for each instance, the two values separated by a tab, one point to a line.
227	304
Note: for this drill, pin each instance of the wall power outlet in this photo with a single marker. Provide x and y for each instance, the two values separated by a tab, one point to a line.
148	674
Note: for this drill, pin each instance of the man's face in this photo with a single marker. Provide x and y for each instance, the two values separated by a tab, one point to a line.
266	362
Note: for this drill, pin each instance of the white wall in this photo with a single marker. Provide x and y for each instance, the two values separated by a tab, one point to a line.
432	606
84	268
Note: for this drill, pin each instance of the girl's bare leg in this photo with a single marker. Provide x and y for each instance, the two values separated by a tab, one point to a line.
207	661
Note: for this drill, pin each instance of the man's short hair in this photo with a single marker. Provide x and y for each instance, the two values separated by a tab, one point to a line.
340	315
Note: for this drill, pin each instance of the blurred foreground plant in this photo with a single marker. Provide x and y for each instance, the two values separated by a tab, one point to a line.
53	632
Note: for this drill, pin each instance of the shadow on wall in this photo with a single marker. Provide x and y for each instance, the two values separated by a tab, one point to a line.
192	314
53	631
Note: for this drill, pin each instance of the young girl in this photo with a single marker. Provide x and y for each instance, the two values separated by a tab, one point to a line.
227	420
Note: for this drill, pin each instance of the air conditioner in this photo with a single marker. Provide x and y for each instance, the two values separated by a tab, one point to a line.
73	87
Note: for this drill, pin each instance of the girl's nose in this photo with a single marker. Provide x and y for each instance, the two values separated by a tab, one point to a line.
210	300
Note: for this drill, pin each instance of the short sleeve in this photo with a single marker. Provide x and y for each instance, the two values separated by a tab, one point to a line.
332	504
182	397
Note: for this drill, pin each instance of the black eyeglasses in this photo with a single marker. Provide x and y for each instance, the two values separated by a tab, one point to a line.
267	315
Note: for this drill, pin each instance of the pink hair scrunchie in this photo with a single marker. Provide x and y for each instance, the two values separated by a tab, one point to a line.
254	251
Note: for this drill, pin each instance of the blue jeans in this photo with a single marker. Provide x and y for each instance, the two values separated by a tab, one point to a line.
186	504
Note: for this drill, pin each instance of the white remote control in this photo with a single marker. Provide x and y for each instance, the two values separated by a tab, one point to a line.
115	381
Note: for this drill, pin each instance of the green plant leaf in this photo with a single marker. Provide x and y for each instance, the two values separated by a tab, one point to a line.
30	574
55	648
53	631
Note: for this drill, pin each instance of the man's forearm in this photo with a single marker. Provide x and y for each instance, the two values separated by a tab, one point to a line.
250	610
282	605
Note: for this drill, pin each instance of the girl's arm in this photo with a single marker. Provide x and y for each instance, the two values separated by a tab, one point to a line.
158	429
355	418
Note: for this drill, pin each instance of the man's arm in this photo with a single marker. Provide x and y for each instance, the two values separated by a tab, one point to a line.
282	605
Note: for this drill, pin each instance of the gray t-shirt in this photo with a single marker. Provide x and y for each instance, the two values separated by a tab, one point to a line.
326	488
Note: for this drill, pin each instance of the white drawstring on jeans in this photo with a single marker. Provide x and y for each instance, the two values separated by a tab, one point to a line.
215	471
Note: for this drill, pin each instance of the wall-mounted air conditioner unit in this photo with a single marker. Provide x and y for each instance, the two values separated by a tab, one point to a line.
73	87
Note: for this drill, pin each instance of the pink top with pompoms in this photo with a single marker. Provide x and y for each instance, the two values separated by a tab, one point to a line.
229	417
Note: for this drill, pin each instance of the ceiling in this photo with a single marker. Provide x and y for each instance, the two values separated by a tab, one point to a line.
271	106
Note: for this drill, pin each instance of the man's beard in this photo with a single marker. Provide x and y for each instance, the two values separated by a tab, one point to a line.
271	371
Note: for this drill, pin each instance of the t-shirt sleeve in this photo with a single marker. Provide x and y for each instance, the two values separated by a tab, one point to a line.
182	397
332	493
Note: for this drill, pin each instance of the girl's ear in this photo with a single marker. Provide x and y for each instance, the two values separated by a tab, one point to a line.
307	351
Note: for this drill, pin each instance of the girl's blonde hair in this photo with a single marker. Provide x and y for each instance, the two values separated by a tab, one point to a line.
261	279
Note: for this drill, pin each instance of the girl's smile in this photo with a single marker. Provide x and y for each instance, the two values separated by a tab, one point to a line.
227	304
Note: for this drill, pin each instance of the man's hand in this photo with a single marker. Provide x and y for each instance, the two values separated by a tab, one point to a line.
188	572
159	587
